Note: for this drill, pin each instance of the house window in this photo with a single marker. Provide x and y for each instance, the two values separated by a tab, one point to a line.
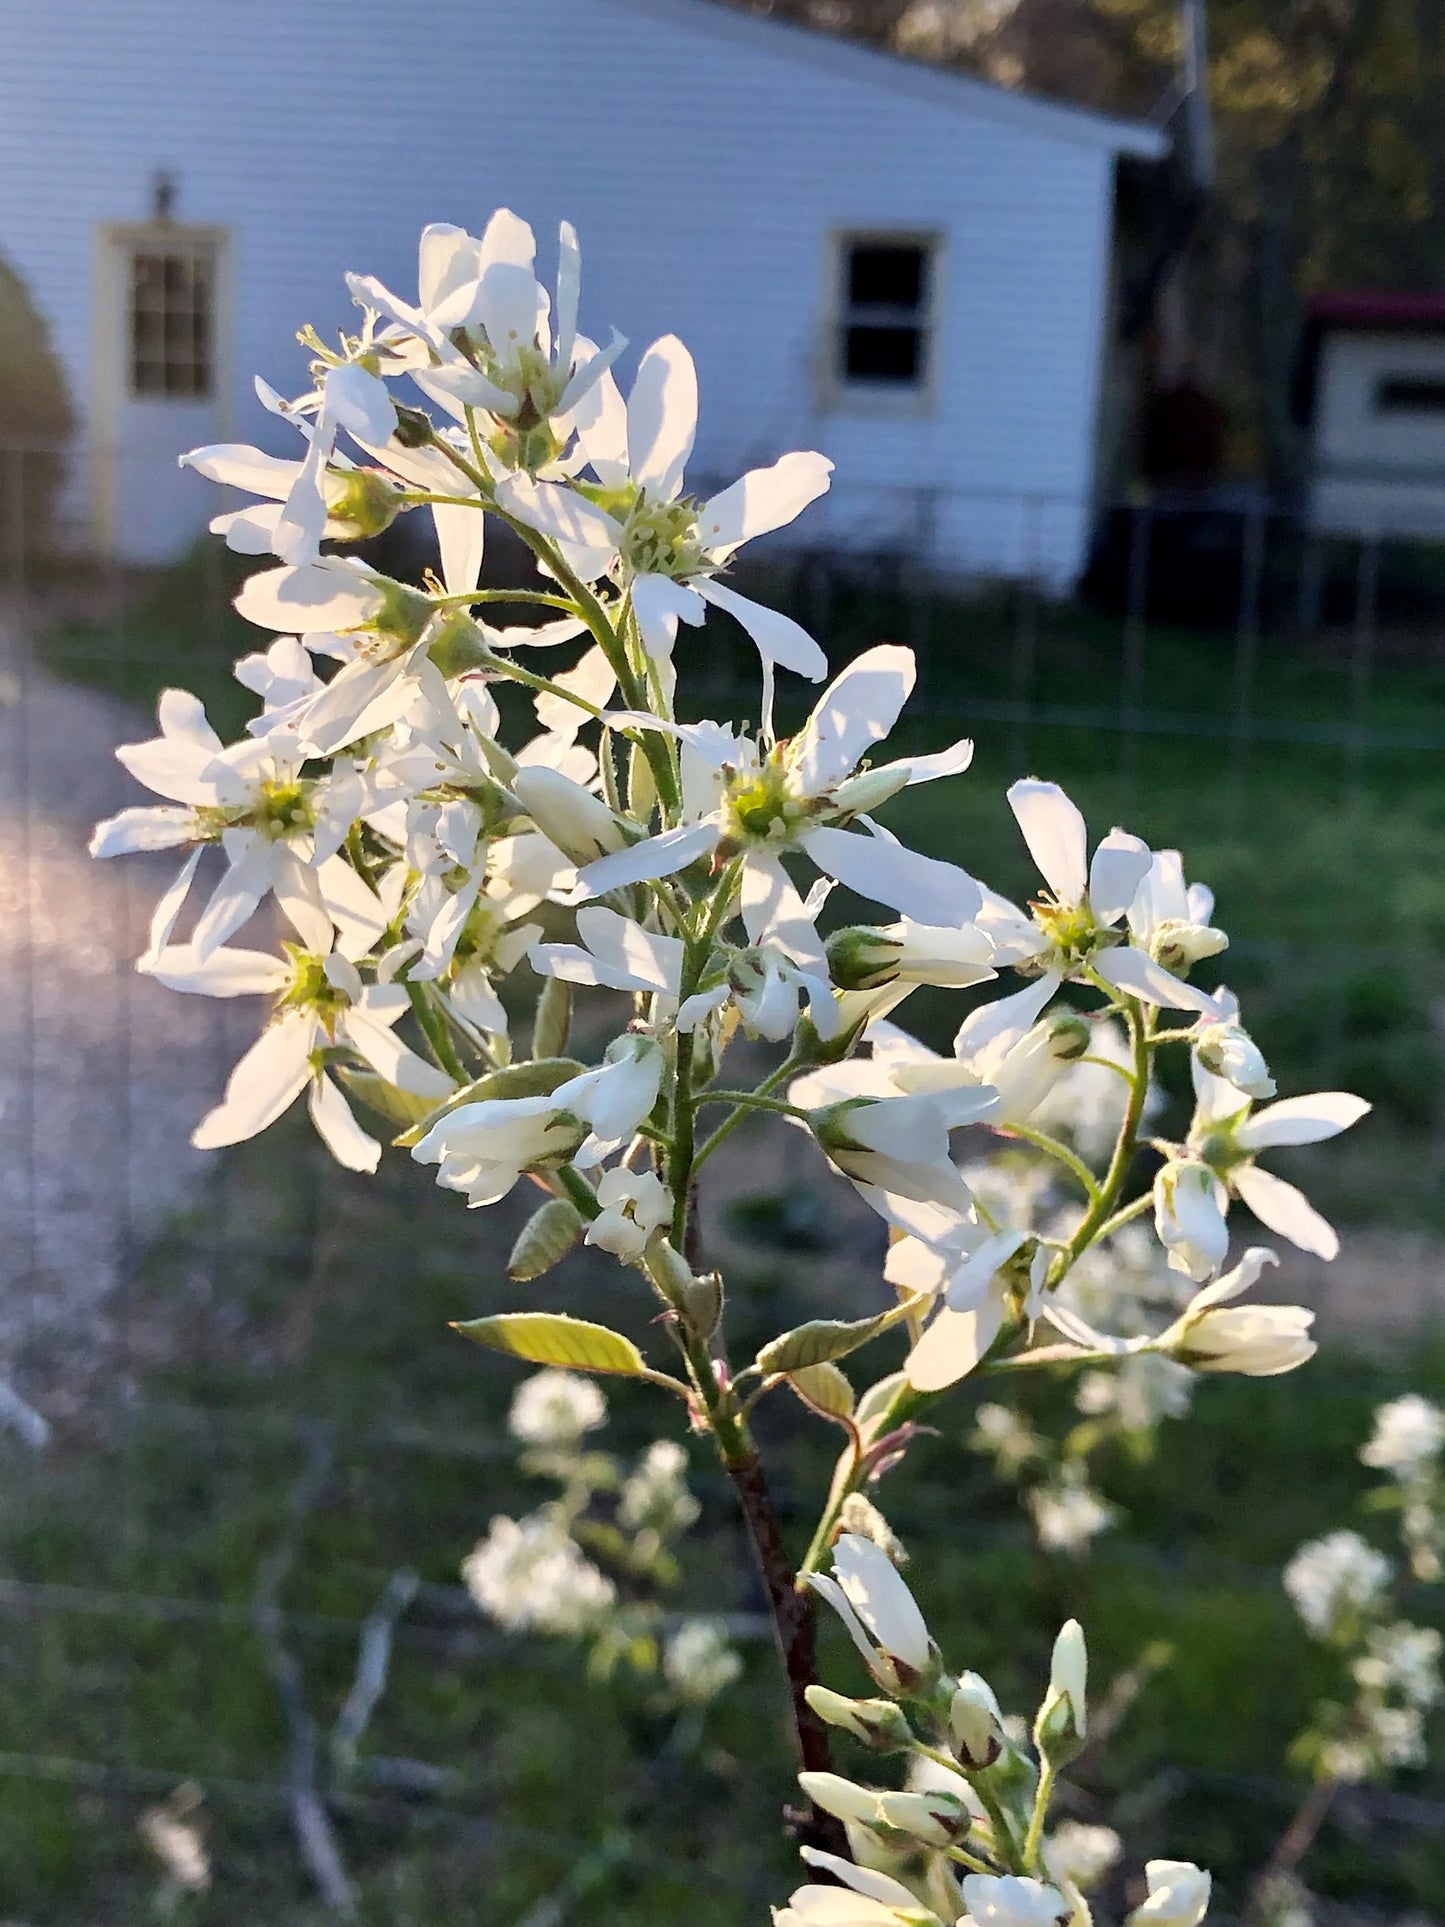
885	297
172	323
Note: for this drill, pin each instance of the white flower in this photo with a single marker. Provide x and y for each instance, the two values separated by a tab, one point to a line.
1171	922
309	499
1139	1392
698	1662
1227	1050
864	1898
664	549
975	1722
1189	1216
1336	1576
493	343
895	1150
1068	1677
554	1409
1409	1433
1071	931
760	804
655	1497
177	1841
1227	1134
483	1148
1080	1855
1260	1341
1012	1901
273	822
320	1004
1068	1513
880	1613
977	1297
1178	1895
634	1205
529	1575
1402	1659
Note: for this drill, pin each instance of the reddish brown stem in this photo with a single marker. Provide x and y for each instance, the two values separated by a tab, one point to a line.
791	1611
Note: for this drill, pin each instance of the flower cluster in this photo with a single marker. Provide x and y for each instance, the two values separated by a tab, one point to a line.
964	1837
1350	1596
440	827
594	1563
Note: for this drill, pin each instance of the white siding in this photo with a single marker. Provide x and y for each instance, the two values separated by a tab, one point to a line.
1377	471
706	160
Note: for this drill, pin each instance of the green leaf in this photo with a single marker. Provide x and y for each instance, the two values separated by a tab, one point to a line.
820	1339
545	1239
539	1078
825	1388
553	1019
552	1338
387	1100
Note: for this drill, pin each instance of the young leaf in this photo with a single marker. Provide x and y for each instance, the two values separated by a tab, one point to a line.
545	1239
553	1019
539	1078
819	1339
552	1338
402	1107
825	1388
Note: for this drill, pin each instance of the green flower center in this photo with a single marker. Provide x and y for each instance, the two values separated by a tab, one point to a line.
760	806
661	538
311	989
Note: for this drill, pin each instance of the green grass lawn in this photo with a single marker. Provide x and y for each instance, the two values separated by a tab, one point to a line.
295	1302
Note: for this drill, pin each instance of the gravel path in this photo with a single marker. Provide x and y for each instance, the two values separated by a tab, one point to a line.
102	1074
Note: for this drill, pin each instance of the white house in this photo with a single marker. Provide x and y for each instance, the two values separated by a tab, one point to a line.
1373	402
909	270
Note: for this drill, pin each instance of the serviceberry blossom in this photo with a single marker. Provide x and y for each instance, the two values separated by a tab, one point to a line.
1336	1576
1409	1434
531	1576
555	1410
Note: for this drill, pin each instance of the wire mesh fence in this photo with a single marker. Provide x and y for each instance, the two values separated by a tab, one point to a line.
1270	697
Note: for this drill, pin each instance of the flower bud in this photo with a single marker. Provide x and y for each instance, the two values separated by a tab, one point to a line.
1177	944
669	1271
456	643
975	1723
579	823
881	1615
1189	1207
870	788
879	1724
1258	1341
1228	1051
545	1239
1178	1895
413	426
1063	1718
863	958
842	1798
1070	1035
935	1818
1013	1900
359	502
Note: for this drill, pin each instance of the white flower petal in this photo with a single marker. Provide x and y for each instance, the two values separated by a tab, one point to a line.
774	913
1120	866
1129	970
460	537
1005	1018
267	1081
779	639
325	595
1056	834
1302	1120
660	604
915	886
224	973
953	1344
339	1130
762	500
857	709
662	418
655	856
1286	1210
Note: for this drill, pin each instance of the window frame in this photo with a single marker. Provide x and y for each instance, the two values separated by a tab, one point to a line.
122	242
837	393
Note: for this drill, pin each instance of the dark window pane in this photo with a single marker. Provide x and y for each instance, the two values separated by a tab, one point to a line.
171	325
885	275
881	354
1411	395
